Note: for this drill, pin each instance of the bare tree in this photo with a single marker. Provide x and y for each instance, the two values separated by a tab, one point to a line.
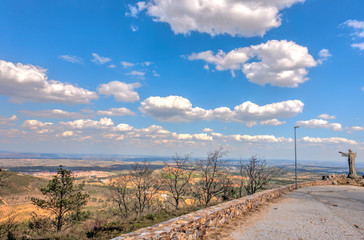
256	174
145	185
214	179
122	196
176	178
134	192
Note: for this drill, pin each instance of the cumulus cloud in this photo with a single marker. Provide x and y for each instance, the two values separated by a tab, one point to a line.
35	124
8	120
335	140
99	59
279	63
355	129
89	124
319	123
327	116
105	131
172	109
116	112
71	59
53	113
234	17
25	82
207	130
122	92
179	109
67	134
123	127
272	122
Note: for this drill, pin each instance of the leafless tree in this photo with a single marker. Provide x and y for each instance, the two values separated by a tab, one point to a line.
256	175
214	179
122	196
176	178
134	193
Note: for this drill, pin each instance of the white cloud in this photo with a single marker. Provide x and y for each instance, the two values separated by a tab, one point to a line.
155	74
179	109
122	92
272	122
99	60
355	129
319	123
251	123
172	109
136	73
207	130
327	116
35	124
67	134
358	27
123	128
89	124
112	66
53	113
335	140
72	59
127	64
135	9
257	138
8	120
116	112
25	82
324	55
279	63
234	17
358	45
249	111
134	28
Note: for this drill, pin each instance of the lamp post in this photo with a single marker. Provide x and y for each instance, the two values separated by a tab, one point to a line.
295	155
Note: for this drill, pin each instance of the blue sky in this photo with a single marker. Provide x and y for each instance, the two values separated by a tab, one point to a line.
159	77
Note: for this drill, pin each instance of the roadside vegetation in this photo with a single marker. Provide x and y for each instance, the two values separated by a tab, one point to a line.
66	208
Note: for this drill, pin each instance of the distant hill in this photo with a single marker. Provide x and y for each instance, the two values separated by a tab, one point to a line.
16	183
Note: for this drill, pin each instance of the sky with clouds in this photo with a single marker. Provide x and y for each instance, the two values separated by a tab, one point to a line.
159	77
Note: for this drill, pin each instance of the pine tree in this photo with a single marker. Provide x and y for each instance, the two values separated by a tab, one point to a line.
64	199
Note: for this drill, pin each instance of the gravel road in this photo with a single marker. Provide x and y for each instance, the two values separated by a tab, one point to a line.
322	212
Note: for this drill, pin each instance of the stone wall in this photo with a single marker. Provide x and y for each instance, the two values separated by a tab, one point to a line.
196	224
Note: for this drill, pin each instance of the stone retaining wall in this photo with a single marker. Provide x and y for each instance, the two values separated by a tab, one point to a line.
196	224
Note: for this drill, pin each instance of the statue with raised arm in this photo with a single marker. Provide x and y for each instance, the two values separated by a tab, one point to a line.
351	160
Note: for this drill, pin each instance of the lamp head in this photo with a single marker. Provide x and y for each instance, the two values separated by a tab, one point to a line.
296	126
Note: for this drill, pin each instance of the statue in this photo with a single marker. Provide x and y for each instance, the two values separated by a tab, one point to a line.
351	160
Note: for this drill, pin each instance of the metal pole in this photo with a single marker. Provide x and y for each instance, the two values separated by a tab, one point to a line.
295	155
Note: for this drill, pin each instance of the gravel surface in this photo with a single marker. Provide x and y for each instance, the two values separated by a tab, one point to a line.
322	212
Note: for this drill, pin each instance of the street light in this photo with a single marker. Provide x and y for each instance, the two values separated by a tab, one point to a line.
295	154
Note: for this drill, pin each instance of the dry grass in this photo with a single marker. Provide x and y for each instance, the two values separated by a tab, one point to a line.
20	212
